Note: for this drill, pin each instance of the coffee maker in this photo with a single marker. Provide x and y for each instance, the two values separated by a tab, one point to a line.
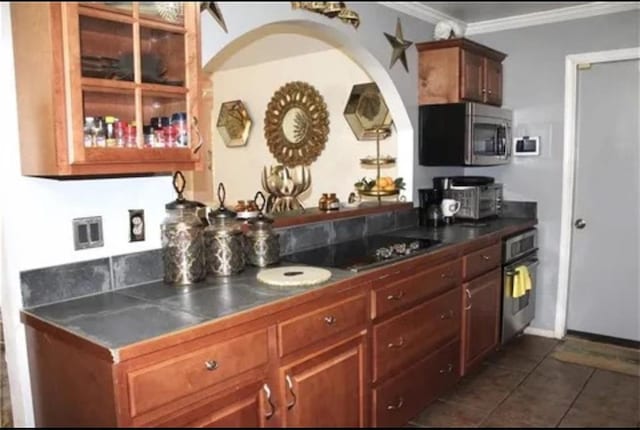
430	211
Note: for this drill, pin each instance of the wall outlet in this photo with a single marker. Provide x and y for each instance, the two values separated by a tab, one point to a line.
136	225
87	232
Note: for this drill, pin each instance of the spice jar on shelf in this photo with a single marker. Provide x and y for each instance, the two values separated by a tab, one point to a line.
334	203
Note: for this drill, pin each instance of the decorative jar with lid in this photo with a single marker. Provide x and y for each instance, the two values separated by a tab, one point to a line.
262	244
182	239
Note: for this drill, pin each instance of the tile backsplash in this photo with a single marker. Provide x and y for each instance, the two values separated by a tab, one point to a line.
68	281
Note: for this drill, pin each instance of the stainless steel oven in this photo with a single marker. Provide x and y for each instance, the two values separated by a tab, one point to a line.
517	313
464	134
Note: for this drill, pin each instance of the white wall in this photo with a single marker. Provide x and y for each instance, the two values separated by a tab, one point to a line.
338	166
534	89
37	213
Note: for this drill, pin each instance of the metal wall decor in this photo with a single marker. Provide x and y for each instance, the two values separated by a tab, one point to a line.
214	10
399	45
296	124
234	123
366	111
330	9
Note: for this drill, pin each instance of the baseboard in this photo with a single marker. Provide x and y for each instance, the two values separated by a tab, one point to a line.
627	343
540	332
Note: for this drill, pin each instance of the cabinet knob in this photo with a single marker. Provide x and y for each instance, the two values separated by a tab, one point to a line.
447	315
445	275
449	369
398	405
490	92
398	344
211	364
484	91
398	296
330	320
486	258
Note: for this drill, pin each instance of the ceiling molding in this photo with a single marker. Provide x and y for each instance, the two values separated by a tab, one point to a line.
550	16
422	12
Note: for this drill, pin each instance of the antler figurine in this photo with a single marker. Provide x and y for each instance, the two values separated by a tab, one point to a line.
284	186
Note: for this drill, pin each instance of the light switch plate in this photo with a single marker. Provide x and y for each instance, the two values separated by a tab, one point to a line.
87	232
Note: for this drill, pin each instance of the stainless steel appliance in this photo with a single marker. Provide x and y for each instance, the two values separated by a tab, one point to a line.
479	196
464	134
365	253
517	313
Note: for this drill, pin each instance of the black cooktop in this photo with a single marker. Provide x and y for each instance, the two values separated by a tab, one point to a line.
362	254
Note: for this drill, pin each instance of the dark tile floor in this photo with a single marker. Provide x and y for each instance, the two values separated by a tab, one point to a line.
523	386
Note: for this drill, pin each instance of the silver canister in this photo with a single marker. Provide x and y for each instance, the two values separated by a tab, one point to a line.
182	239
224	242
262	243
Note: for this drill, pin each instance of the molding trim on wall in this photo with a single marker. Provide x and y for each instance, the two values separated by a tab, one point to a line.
549	16
541	332
569	167
422	12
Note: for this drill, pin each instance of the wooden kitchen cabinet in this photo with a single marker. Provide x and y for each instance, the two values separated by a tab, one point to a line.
327	388
127	63
480	318
459	70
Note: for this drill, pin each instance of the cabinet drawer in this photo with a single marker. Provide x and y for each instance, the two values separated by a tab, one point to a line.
481	261
403	397
161	383
315	326
413	334
422	285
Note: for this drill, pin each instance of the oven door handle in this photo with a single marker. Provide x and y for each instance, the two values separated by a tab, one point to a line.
531	263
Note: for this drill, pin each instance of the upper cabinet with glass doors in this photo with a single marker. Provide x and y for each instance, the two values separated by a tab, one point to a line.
107	88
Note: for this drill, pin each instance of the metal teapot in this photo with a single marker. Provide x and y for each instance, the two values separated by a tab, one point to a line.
224	242
182	239
262	243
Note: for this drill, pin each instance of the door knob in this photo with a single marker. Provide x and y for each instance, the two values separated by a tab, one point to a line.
580	223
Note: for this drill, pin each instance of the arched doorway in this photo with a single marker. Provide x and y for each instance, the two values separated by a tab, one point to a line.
218	52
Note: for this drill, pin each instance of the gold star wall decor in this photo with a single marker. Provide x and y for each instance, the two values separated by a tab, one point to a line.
213	8
399	46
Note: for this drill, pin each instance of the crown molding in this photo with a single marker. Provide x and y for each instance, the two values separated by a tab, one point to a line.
422	12
550	16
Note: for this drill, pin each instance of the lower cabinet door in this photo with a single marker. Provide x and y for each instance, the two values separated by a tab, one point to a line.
327	388
480	318
402	397
248	406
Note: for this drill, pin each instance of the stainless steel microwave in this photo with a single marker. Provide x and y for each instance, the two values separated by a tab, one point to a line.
464	134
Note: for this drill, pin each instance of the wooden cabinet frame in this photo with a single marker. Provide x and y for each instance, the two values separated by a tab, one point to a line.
50	89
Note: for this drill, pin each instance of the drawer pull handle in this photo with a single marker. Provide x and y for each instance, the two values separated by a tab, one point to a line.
447	315
449	369
468	293
398	344
211	364
486	258
330	319
445	275
398	405
398	296
293	395
272	408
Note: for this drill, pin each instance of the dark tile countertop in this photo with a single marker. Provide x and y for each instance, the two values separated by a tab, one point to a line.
122	317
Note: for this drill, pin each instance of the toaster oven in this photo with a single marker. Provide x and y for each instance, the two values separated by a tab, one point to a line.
477	201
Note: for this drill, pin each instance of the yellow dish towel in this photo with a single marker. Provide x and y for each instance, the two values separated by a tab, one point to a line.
521	282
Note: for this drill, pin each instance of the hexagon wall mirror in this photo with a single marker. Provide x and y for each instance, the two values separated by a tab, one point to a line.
366	111
234	123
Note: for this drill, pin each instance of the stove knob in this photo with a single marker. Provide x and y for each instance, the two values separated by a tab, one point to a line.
414	245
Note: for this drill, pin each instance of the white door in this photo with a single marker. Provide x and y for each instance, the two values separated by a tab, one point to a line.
604	290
